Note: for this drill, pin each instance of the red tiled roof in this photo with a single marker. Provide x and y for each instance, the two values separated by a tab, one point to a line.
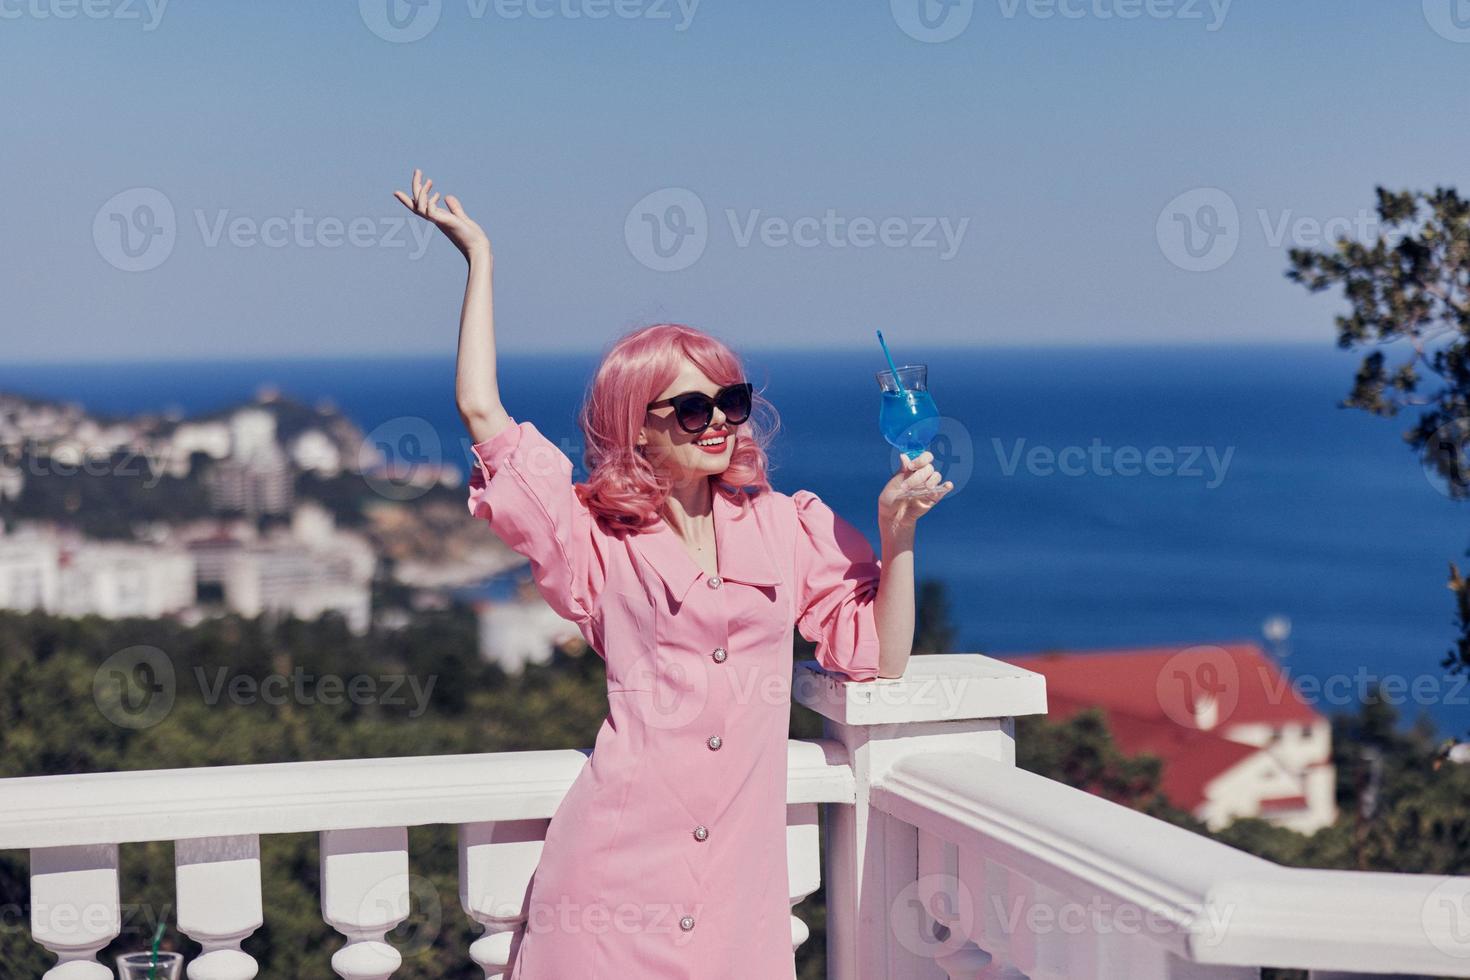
1278	803
1164	683
1192	759
1150	697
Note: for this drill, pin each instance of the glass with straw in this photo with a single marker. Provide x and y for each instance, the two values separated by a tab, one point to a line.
907	415
152	965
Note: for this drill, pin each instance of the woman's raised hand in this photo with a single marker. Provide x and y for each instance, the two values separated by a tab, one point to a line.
451	219
896	511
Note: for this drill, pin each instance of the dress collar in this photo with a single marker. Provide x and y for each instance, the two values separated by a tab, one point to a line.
740	546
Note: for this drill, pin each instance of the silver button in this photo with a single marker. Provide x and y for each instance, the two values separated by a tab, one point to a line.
701	832
719	655
686	923
713	581
714	741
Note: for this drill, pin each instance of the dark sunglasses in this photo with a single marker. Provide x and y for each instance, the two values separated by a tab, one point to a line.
695	410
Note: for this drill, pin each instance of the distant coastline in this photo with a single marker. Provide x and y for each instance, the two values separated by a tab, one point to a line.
1323	516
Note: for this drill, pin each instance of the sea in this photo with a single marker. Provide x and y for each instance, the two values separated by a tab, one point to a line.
1106	497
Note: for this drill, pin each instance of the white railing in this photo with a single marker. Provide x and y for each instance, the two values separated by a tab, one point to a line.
954	863
501	803
942	859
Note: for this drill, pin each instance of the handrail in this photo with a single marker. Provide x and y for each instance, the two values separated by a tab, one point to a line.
341	794
1230	907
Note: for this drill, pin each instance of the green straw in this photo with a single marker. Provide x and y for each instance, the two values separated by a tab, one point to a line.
896	381
153	967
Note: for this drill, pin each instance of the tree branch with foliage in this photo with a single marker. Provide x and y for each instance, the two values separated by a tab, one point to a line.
1411	287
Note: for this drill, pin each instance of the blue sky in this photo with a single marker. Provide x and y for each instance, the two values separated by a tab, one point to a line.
1029	180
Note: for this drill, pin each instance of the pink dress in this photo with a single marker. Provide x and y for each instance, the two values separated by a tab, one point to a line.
666	859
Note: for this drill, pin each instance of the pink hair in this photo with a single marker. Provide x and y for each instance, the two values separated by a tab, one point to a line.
623	489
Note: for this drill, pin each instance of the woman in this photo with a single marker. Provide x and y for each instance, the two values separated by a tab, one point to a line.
667	856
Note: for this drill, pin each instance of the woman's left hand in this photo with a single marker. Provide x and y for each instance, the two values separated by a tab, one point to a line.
898	512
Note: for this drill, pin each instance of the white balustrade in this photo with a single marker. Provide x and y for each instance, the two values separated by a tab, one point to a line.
361	808
217	883
364	896
496	861
74	907
803	861
943	860
985	870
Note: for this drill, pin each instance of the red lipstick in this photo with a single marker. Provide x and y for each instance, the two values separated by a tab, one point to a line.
718	448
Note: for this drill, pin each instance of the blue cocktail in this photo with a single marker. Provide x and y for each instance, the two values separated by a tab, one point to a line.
907	415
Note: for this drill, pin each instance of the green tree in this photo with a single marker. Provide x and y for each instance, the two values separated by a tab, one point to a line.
1411	287
934	630
1080	752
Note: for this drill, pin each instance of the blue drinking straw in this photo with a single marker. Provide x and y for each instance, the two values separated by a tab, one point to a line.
896	381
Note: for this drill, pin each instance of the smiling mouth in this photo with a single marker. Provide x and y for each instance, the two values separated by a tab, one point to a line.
716	442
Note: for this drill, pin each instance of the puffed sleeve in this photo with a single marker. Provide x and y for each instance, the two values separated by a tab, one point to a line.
837	578
521	483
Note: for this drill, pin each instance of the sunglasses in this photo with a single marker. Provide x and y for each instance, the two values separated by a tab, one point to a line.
695	410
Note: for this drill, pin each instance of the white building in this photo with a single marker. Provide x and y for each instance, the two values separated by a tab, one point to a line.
313	524
210	438
314	451
252	431
344	555
262	483
30	571
12	482
118	579
289	578
314	569
522	631
1235	737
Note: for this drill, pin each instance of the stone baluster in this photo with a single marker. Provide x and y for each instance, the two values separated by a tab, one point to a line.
1004	907
74	907
1051	947
217	880
803	862
496	863
944	912
365	894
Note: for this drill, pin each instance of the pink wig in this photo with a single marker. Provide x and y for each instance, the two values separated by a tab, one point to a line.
623	489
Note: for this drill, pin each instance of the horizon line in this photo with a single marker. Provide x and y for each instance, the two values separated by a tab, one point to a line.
1329	344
